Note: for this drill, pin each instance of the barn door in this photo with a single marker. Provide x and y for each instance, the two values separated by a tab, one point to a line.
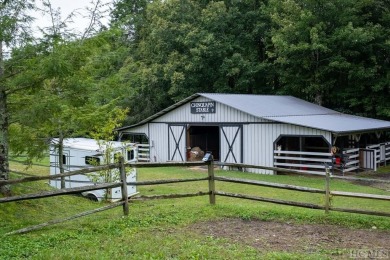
231	143
176	142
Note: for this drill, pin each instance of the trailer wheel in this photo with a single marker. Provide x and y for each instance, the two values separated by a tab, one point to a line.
91	197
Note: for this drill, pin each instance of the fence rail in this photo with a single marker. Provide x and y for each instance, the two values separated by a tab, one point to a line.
381	152
143	152
349	159
212	192
309	162
352	160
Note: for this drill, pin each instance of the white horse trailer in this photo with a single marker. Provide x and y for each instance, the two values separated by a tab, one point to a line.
79	153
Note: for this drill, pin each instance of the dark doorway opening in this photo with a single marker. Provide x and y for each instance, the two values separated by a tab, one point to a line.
204	137
135	138
303	144
303	153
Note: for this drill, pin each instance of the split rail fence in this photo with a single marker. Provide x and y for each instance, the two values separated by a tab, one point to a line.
212	192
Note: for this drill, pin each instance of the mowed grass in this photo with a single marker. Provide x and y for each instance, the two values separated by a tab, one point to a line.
161	229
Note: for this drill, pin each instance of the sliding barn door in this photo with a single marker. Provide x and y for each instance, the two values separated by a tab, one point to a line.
231	144
176	142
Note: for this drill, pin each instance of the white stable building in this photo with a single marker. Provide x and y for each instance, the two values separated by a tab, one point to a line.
274	131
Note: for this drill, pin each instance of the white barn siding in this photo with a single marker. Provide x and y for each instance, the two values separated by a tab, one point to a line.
142	129
259	140
223	114
157	134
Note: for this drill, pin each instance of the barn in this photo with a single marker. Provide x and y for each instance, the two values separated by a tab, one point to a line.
265	130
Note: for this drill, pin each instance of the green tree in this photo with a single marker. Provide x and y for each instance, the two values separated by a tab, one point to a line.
67	103
197	46
13	30
129	15
333	52
67	100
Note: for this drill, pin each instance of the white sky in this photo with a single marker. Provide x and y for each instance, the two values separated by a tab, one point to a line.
66	7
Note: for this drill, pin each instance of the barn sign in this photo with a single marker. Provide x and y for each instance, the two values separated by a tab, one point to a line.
202	107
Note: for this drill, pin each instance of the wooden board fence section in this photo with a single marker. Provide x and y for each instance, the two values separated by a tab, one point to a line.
301	204
39	178
158	182
347	178
46	194
166	164
270	184
211	186
57	221
168	196
276	169
101	168
122	184
276	201
360	195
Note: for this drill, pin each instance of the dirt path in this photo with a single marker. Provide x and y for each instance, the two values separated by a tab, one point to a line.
266	236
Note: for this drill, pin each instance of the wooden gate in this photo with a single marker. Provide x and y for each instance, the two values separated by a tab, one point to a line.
351	157
368	159
231	144
176	142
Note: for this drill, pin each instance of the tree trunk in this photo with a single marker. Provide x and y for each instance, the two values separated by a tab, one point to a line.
4	163
61	158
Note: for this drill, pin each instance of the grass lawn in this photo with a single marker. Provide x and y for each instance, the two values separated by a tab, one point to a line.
161	229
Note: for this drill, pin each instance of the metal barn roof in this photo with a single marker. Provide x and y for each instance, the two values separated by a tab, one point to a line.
88	144
287	109
269	106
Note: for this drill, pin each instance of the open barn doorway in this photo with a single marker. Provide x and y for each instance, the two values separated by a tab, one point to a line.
206	138
304	153
302	143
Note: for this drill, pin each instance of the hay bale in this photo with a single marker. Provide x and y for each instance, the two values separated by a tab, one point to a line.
196	154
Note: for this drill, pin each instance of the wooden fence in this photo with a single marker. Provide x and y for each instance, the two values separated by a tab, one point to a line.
212	192
308	162
351	159
352	163
381	152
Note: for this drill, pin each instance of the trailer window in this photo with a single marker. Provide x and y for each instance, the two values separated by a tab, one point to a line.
63	159
92	160
130	155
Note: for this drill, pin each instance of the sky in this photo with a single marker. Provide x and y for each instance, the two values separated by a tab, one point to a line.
66	7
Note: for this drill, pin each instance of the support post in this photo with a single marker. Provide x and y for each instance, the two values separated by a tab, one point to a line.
211	182
61	159
327	189
125	197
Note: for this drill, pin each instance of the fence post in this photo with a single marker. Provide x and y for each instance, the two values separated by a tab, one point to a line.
327	189
211	182
125	198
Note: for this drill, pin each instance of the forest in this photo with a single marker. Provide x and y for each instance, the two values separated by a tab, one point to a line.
334	53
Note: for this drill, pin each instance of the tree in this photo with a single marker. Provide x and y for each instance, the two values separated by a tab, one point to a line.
322	52
13	28
333	53
66	104
186	47
59	89
129	15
